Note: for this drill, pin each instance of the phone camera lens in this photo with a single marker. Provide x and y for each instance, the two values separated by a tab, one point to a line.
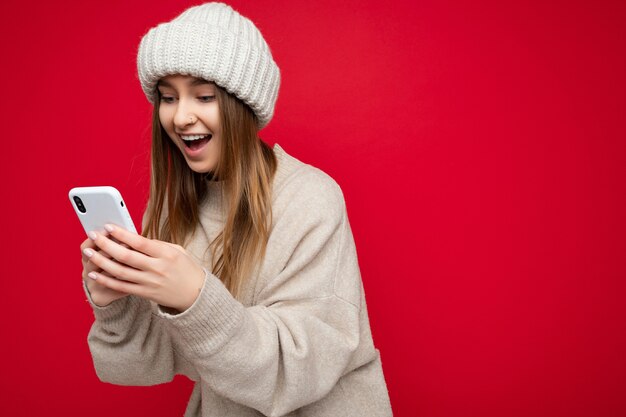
79	204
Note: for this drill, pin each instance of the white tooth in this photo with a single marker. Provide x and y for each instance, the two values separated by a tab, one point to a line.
193	137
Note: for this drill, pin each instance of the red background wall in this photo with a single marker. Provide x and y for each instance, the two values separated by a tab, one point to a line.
481	149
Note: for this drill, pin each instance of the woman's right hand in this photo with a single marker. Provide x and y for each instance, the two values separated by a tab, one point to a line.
100	295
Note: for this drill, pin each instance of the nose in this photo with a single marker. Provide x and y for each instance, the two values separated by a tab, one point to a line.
184	115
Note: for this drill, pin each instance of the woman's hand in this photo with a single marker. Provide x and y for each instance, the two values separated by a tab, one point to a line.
159	271
100	295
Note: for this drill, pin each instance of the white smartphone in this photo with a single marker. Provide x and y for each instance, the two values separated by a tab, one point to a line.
97	206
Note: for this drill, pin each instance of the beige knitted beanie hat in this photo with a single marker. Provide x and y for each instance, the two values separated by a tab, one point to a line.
214	42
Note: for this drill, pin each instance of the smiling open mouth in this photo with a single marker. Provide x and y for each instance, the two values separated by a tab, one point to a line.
197	143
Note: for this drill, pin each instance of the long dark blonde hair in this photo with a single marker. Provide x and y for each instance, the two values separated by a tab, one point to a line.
246	165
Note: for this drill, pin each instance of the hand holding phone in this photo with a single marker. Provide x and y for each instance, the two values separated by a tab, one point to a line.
100	295
95	207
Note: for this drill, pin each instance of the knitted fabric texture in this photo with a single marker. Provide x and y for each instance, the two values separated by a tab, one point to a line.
214	42
298	343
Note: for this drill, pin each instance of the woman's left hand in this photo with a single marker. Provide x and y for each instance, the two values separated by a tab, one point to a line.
159	271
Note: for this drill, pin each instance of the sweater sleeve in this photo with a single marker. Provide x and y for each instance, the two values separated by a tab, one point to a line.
290	348
130	345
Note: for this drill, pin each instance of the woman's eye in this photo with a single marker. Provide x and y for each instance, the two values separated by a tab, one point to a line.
204	99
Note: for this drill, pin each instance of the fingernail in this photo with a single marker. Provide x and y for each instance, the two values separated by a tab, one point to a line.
88	252
92	275
108	228
92	235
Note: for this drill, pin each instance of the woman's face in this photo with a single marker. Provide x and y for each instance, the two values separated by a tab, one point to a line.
188	109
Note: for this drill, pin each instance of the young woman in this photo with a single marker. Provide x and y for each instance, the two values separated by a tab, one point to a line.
245	278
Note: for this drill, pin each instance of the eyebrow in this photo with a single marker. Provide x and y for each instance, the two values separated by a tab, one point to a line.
192	83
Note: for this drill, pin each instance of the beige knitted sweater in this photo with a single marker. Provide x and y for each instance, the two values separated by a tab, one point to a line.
299	342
